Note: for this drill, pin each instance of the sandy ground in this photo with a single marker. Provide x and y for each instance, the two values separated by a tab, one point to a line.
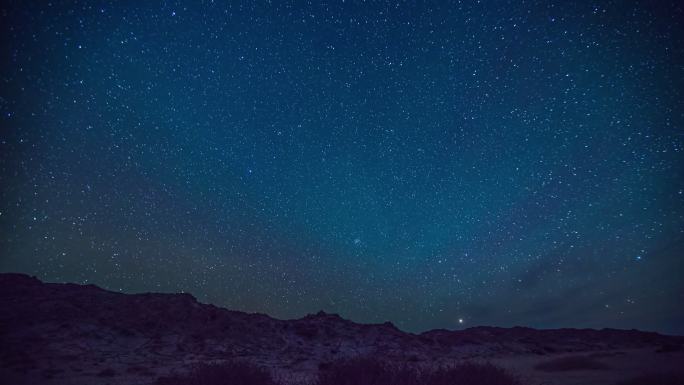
619	365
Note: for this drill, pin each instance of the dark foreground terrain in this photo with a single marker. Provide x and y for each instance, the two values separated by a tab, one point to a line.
75	334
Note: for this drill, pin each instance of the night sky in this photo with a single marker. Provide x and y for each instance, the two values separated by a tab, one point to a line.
439	165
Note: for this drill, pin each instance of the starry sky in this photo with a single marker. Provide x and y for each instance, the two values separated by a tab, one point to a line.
437	165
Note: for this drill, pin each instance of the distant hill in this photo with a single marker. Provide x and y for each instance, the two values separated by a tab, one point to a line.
68	333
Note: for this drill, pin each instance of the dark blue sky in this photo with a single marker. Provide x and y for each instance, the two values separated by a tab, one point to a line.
503	163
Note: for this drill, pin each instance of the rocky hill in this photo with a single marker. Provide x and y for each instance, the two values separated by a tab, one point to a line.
68	333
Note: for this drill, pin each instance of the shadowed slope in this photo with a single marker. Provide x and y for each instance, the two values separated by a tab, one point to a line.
65	330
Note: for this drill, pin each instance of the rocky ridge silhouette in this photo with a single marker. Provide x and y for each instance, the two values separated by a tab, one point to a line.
58	331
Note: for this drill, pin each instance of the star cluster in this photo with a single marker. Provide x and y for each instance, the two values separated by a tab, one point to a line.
443	164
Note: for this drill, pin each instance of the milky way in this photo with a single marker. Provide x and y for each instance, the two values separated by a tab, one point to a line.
434	165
